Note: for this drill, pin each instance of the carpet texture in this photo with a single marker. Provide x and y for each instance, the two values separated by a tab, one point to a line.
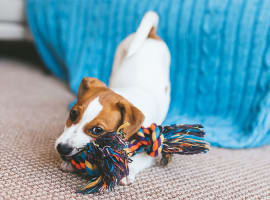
33	112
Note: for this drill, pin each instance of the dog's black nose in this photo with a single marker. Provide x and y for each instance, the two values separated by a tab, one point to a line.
64	149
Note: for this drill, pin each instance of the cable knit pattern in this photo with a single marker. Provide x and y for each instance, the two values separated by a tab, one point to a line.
220	70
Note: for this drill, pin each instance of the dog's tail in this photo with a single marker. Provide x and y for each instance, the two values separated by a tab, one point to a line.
146	29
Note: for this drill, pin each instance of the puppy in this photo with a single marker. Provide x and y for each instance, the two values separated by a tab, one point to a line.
138	93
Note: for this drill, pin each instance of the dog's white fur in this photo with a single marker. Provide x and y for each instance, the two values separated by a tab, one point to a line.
141	72
74	135
141	75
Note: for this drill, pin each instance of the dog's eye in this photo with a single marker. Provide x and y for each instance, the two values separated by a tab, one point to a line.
96	130
73	115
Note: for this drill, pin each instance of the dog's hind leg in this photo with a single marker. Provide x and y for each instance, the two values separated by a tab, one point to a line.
139	162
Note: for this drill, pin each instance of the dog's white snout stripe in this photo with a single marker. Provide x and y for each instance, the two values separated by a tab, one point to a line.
74	135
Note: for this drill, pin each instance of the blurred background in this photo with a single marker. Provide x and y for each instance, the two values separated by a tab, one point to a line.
16	42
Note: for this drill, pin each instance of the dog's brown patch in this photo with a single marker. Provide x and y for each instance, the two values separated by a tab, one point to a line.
116	109
153	34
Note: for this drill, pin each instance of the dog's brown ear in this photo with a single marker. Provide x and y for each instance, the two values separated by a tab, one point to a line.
132	115
87	84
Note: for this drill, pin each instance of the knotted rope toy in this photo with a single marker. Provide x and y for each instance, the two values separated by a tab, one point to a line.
105	160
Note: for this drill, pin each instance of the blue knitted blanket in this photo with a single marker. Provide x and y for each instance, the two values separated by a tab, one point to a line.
220	50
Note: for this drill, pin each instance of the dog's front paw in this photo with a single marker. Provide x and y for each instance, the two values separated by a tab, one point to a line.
66	167
127	180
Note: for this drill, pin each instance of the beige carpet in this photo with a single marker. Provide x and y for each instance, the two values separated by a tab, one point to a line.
33	111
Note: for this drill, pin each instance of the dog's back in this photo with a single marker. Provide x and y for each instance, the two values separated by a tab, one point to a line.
141	71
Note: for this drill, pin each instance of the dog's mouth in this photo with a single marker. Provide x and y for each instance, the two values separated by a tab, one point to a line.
66	158
72	154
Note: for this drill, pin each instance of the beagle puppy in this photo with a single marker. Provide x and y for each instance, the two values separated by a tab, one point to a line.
138	93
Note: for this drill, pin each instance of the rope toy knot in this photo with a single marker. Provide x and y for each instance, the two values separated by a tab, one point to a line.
148	139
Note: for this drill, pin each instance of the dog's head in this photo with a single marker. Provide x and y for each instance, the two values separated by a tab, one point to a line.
98	110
